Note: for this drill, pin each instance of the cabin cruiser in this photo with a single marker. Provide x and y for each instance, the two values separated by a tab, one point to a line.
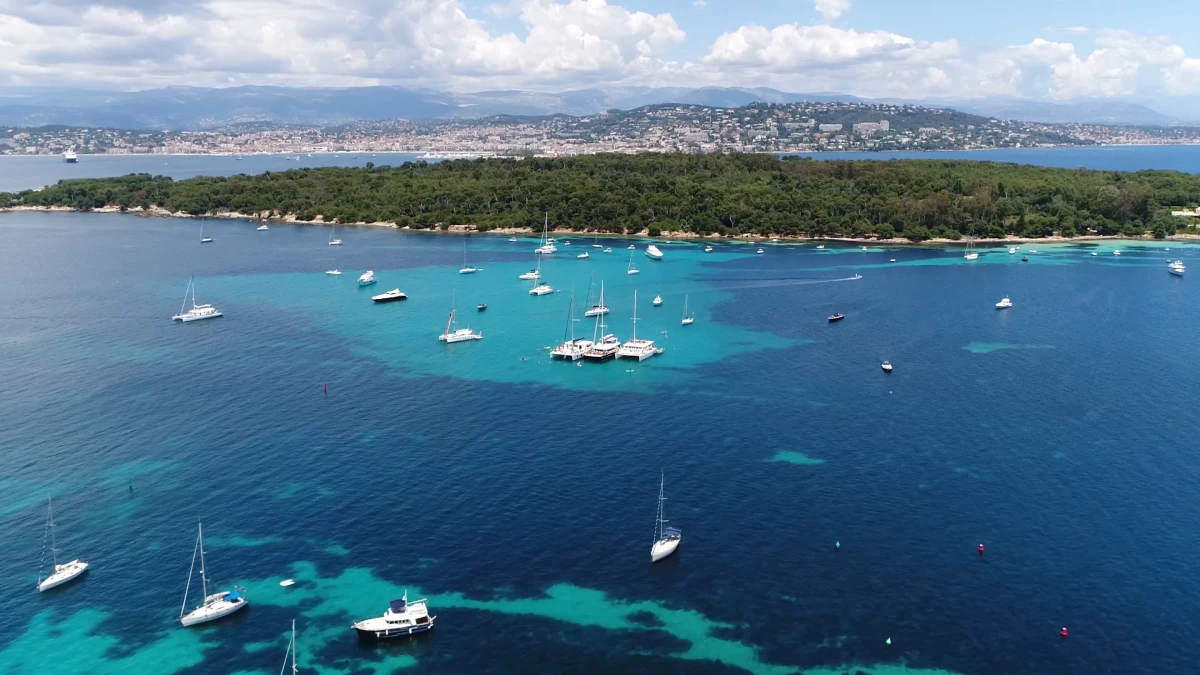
583	256
836	317
367	278
657	300
262	228
653	253
391	296
603	349
760	251
708	249
541	289
1177	268
1005	303
1012	250
820	247
401	619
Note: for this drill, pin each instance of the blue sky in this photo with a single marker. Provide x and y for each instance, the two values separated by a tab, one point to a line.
929	50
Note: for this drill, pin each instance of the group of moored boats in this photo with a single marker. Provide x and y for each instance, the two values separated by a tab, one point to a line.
603	345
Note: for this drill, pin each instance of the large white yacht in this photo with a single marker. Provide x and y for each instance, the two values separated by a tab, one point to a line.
197	312
390	296
367	278
1177	268
636	348
214	606
401	619
64	572
653	253
70	157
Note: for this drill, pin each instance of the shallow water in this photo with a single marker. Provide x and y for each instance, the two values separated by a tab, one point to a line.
518	495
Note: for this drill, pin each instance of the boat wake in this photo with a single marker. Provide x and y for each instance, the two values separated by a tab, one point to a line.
774	282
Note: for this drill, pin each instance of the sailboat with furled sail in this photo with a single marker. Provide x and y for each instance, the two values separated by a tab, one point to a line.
452	334
666	539
215	606
64	572
572	348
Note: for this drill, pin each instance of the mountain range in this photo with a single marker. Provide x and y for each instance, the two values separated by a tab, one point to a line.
183	108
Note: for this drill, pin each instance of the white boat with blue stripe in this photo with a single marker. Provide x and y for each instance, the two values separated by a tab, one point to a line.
402	618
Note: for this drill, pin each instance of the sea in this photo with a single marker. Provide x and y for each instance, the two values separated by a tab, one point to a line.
832	513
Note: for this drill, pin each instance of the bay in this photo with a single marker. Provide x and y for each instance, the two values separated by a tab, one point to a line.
519	495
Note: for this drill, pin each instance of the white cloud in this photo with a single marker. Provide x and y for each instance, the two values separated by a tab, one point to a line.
832	9
699	4
1076	30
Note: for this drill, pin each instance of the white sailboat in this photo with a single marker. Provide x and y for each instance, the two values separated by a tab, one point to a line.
204	239
631	269
533	274
197	312
466	269
666	539
688	319
970	253
547	246
64	572
292	652
604	345
635	347
598	308
452	334
332	241
215	606
572	348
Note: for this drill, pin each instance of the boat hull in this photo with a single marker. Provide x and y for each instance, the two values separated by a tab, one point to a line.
186	318
663	549
392	633
392	298
212	611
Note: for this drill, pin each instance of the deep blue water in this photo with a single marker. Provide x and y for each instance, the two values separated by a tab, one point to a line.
23	173
519	496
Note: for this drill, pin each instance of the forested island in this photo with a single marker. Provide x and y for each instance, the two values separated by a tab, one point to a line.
698	195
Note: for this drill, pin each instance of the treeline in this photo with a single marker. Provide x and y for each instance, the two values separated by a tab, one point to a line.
701	194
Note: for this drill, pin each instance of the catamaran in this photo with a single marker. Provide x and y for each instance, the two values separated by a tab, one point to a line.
631	269
666	539
604	345
533	274
688	319
572	348
332	241
215	606
636	348
64	572
541	289
197	312
452	334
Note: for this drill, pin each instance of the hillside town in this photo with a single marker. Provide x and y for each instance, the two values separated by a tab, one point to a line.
773	128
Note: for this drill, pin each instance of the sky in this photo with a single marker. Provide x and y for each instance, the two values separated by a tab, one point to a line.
921	50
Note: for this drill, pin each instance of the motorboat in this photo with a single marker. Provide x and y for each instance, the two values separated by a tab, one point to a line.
708	249
65	572
1177	268
836	317
608	250
480	307
197	312
657	301
1012	250
583	256
391	296
453	334
759	251
216	605
367	278
631	247
1024	258
892	260
636	348
512	239
820	247
541	289
402	618
336	273
864	248
1004	303
653	253
887	367
1117	252
262	228
666	539
1094	253
566	242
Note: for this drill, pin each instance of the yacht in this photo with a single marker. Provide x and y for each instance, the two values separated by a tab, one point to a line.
583	256
466	269
836	317
1094	253
452	334
636	348
666	539
572	348
336	273
391	296
197	312
1012	250
401	619
541	289
688	319
631	247
1004	303
215	606
598	308
821	247
653	253
657	301
708	249
604	345
332	241
631	269
367	278
759	251
262	228
887	367
1177	268
64	572
70	157
512	239
547	246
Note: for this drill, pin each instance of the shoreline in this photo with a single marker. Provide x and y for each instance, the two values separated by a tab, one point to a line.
290	219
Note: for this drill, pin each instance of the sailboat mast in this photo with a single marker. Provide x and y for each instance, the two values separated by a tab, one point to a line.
571	314
634	315
185	294
53	544
203	569
450	321
188	587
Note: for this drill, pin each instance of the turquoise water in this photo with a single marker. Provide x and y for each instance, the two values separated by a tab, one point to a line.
518	495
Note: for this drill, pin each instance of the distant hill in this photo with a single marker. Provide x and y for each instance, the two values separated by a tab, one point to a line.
181	108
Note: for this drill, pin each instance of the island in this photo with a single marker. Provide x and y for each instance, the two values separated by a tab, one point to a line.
674	195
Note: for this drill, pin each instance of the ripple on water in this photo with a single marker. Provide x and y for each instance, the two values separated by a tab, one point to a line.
989	347
793	457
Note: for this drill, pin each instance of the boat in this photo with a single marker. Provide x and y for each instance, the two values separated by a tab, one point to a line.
688	319
631	247
604	345
598	308
887	367
452	334
204	239
70	157
1024	258
970	253
708	249
759	251
262	228
367	278
541	289
1177	268
336	273
1004	303
533	275
657	301
215	606
631	269
480	307
291	650
608	250
572	348
402	618
512	239
1012	250
892	260
566	242
466	269
583	256
64	572
1094	253
1117	252
666	539
636	348
820	247
197	312
332	241
547	245
653	253
391	296
836	317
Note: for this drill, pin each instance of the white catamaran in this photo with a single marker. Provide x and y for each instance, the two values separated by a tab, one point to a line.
64	572
452	335
666	539
215	606
197	312
636	348
572	348
332	241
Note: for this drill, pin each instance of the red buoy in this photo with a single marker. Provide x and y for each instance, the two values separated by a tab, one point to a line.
981	549
326	387
1064	633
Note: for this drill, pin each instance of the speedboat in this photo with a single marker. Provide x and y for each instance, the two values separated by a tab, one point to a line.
336	273
367	278
391	296
653	253
566	242
864	248
836	317
531	275
512	239
887	367
1094	253
1176	268
541	289
402	618
657	300
1004	303
820	247
759	251
708	249
263	228
583	256
1024	258
892	260
1012	250
480	307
